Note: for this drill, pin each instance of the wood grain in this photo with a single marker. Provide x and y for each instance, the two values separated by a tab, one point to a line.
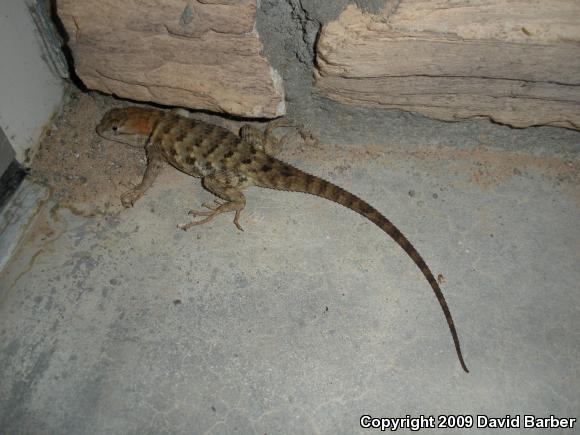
199	54
515	62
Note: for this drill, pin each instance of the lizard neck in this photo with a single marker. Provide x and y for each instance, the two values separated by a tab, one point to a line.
142	120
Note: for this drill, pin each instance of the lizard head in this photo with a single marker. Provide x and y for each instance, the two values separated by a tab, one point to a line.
131	125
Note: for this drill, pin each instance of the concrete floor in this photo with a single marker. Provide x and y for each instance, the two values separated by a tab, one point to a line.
310	318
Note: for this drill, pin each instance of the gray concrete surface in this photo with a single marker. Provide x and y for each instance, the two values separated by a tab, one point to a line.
311	317
16	215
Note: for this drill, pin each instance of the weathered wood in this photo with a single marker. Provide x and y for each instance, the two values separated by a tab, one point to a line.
516	62
202	54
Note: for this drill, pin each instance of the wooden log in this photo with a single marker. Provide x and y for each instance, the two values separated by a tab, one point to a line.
515	62
201	54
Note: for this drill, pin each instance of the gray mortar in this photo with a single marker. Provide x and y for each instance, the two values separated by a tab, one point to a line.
288	30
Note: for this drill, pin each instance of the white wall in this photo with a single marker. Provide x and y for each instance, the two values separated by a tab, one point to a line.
29	92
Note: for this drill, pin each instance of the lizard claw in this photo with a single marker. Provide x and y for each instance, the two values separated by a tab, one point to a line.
195	213
209	215
129	198
219	208
237	221
208	206
217	205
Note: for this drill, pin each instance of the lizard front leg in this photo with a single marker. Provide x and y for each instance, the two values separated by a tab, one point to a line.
155	163
226	186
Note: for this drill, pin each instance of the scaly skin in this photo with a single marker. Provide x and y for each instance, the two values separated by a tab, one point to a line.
227	164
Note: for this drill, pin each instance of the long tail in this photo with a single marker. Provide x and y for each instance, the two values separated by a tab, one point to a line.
282	176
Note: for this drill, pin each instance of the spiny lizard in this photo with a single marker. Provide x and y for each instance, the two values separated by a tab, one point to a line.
228	163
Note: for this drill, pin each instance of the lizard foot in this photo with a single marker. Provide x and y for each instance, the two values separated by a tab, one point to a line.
217	205
219	208
129	198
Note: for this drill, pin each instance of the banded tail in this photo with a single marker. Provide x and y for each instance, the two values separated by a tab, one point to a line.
283	176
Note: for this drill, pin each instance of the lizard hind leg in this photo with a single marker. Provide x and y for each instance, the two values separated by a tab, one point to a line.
277	145
263	141
226	186
266	140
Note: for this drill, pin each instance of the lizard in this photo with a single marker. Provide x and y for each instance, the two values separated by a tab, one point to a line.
228	163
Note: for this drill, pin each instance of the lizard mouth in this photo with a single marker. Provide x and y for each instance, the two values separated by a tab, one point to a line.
128	139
